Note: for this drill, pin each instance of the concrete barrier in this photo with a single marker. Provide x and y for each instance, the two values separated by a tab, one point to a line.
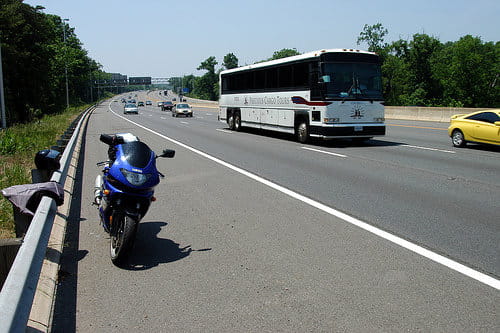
439	114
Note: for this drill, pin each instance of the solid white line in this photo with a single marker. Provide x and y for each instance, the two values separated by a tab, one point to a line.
460	268
324	152
184	122
223	130
426	148
163	118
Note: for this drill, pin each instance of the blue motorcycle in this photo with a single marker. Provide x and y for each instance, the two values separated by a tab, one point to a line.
125	191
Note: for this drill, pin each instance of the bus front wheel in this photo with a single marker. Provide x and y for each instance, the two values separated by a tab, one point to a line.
237	122
302	132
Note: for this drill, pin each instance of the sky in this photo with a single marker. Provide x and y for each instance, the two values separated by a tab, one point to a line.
164	38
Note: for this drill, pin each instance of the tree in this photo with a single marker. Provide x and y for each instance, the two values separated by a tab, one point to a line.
395	73
230	61
283	53
373	35
209	65
421	50
469	72
206	86
34	58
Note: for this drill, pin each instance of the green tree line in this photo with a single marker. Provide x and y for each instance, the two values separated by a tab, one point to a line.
426	72
207	86
421	72
37	50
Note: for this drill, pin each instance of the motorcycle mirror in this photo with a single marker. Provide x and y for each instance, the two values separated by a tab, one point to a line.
106	138
168	153
111	140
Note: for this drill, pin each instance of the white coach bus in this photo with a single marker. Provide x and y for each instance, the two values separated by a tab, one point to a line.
326	94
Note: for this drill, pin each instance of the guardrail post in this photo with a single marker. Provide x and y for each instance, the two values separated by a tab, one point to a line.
8	252
22	221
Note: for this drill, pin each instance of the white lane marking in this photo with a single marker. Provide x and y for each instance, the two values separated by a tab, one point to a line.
223	130
208	114
324	152
199	117
427	148
453	265
184	122
163	118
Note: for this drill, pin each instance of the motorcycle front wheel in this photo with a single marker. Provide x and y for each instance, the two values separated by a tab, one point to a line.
122	238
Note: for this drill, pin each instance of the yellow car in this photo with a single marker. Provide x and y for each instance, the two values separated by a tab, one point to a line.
481	127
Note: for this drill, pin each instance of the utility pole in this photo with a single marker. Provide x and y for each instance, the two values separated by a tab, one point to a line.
66	63
2	99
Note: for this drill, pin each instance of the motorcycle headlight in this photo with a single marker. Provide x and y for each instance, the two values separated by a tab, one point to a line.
134	178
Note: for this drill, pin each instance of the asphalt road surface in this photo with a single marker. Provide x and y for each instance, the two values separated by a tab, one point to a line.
252	232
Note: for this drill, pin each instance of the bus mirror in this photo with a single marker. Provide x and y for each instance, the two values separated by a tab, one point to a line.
325	79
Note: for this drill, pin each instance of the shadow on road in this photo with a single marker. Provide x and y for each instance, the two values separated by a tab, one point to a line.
149	250
64	315
480	147
333	143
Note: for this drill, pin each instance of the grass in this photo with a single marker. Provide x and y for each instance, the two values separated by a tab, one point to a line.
18	146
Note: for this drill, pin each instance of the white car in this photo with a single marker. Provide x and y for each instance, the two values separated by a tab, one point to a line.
182	109
130	108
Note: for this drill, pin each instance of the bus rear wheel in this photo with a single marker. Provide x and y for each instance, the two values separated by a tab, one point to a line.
230	121
302	132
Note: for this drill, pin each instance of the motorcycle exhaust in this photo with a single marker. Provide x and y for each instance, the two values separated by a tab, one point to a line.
98	190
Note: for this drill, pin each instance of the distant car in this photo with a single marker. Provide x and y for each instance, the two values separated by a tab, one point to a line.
140	103
124	100
149	103
160	104
167	105
130	108
479	127
174	99
182	109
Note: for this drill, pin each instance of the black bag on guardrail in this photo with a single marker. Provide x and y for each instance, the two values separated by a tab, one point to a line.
26	197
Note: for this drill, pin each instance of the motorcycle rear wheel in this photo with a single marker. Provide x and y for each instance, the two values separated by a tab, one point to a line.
122	239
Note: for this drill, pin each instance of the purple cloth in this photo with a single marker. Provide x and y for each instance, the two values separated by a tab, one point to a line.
27	196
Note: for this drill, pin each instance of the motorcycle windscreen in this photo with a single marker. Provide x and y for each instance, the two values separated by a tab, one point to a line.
137	154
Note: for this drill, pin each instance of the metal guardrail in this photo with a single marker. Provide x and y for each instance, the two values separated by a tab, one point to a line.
16	297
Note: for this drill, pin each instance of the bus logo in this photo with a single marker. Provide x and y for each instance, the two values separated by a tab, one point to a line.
357	112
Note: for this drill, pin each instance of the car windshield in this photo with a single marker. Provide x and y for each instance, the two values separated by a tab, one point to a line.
130	105
352	80
182	106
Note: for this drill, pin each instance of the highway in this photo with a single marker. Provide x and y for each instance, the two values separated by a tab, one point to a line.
253	231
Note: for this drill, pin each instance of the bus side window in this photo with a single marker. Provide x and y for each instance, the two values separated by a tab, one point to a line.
315	86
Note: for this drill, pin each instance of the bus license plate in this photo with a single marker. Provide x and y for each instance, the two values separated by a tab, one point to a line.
358	128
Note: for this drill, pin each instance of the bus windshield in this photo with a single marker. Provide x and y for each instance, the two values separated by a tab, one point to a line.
352	81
